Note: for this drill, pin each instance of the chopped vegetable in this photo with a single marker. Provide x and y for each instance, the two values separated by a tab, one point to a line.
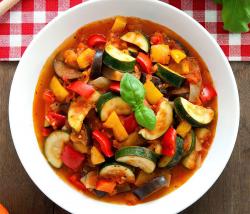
137	156
96	40
150	187
71	158
164	118
190	161
134	139
82	89
177	55
168	142
113	122
55	120
104	143
106	185
202	134
115	87
130	123
96	156
119	24
112	74
101	83
54	144
153	95
160	53
207	93
143	178
49	97
138	39
157	38
46	131
85	58
96	68
90	179
183	128
58	90
145	62
75	180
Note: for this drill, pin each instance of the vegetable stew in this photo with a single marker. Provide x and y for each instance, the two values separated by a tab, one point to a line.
125	110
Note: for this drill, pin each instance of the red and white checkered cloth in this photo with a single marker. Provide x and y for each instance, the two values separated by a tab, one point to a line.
28	17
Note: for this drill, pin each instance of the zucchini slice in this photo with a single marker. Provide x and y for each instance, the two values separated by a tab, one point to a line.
189	143
53	147
132	51
197	116
137	156
169	162
164	118
119	171
137	39
111	102
170	76
117	59
78	110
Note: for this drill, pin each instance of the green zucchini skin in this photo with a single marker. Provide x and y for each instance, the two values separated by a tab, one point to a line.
178	153
136	151
169	76
126	65
182	113
103	99
193	142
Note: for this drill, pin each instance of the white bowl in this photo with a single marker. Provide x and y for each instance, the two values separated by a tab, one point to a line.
51	36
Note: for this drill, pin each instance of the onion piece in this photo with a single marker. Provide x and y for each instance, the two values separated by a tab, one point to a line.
195	90
100	83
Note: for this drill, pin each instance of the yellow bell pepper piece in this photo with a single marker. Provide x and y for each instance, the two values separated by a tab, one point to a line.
185	67
177	55
59	91
119	24
96	156
85	58
113	122
160	53
183	128
153	95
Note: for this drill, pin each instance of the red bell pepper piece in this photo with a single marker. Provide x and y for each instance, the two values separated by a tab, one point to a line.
115	86
82	89
169	142
105	185
96	40
46	131
130	123
55	120
105	143
75	180
145	62
156	39
71	158
49	97
207	93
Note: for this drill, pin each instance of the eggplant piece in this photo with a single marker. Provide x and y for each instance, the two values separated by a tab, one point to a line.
64	71
96	69
99	194
154	79
150	187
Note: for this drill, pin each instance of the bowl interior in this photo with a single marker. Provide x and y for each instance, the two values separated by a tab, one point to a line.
26	77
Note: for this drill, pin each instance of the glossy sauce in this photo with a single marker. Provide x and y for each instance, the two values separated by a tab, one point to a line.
179	174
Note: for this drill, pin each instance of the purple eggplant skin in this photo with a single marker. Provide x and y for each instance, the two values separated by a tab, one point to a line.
99	194
96	69
150	187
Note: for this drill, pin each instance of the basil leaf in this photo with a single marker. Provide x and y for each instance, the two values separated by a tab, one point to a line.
145	117
132	90
235	15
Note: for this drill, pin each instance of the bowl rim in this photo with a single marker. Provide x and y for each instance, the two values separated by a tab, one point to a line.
85	4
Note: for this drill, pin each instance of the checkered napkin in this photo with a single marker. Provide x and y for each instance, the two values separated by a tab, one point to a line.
28	17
